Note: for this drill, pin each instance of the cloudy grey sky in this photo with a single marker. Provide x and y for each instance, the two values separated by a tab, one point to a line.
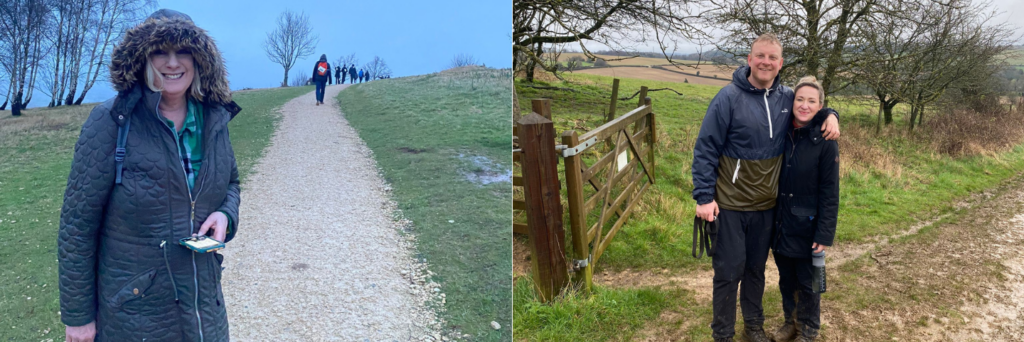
413	37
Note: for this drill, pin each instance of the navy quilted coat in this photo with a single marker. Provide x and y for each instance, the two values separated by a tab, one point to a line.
120	263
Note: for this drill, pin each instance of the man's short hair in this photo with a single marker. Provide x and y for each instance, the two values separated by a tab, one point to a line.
767	38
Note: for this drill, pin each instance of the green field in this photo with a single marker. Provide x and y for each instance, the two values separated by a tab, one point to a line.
35	157
435	137
888	183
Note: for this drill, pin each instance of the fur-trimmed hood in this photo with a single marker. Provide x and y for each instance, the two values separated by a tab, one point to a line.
168	30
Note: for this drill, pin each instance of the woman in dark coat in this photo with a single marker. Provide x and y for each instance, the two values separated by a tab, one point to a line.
123	274
807	208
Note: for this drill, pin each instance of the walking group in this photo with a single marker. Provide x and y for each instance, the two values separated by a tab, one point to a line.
322	76
766	178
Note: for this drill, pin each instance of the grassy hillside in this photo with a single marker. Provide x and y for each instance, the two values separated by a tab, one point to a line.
35	155
442	142
889	181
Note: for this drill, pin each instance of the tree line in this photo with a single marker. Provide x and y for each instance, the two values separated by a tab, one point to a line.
897	51
59	47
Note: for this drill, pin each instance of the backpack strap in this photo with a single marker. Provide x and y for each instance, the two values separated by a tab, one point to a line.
119	151
121	112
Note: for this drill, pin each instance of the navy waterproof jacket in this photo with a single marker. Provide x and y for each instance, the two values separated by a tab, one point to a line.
742	123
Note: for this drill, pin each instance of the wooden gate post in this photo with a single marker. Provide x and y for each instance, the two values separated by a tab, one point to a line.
651	124
580	239
615	100
543	204
542	107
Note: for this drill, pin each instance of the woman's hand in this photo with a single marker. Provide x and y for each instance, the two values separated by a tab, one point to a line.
85	333
219	222
818	248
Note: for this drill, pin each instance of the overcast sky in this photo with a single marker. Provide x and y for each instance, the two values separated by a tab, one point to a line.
413	37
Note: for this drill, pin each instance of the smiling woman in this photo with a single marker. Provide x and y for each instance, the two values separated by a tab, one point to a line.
172	175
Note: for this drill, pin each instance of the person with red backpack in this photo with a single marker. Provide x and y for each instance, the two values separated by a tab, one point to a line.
321	76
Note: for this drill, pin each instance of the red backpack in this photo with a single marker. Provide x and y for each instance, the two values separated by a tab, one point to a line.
321	68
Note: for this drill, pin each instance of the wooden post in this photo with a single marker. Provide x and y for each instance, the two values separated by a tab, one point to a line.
615	100
577	224
543	204
542	107
643	96
653	137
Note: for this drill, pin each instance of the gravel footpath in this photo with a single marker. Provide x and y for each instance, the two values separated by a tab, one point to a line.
318	256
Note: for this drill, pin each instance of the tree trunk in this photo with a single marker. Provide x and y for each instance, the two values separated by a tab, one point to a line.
16	105
888	114
881	109
913	116
285	82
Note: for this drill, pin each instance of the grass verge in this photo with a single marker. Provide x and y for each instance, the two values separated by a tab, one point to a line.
35	157
608	314
435	137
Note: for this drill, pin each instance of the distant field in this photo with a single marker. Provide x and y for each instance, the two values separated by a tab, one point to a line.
655	74
638	61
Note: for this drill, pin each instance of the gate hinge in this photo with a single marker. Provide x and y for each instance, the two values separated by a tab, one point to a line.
572	151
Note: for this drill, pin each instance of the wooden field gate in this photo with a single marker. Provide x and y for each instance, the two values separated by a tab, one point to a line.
606	171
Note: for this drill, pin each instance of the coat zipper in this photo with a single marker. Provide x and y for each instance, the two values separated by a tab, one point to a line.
737	172
192	225
769	113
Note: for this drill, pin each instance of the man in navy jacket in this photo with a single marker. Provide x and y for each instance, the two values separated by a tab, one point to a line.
736	164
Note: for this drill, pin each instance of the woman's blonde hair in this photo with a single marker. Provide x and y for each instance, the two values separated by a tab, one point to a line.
811	81
195	90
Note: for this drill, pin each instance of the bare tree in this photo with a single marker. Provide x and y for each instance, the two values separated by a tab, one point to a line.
349	60
300	79
461	60
377	68
108	19
817	35
614	23
22	24
293	39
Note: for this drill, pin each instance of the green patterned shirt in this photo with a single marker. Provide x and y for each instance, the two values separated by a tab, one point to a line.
189	138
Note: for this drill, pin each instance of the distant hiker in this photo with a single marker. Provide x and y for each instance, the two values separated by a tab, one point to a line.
339	75
321	76
122	273
352	73
360	75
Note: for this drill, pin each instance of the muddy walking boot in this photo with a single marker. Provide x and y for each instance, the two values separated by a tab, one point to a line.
804	338
727	339
785	333
755	334
807	335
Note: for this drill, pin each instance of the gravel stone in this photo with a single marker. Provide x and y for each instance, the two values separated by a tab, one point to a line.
319	255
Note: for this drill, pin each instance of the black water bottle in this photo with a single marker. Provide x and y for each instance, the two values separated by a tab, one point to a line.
818	275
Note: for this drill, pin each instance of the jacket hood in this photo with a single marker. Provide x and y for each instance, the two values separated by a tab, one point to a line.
739	78
323	57
169	30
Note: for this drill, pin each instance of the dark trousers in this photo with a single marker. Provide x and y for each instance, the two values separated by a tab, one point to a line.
740	256
342	79
795	285
320	87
